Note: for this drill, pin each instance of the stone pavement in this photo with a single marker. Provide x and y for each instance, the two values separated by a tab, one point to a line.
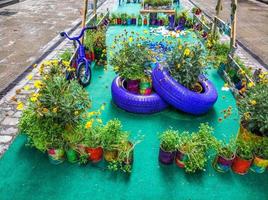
252	23
9	116
26	29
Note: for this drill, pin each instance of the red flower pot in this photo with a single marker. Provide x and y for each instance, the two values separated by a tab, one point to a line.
180	159
241	166
94	154
119	21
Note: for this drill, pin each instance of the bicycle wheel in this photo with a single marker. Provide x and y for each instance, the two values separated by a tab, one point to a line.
83	76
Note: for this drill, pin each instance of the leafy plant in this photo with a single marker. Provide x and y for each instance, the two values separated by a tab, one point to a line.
226	150
261	148
186	63
66	55
253	109
169	140
131	60
93	136
244	149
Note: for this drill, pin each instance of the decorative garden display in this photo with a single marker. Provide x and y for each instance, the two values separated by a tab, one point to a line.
260	161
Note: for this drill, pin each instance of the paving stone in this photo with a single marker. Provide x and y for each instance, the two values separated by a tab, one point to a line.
9	131
17	114
9	113
5	139
10	121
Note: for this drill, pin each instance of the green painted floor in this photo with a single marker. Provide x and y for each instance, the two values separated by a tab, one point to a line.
26	173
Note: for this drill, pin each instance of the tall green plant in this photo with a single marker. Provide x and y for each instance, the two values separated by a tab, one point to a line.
169	140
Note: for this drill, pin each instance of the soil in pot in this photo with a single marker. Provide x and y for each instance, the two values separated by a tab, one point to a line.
56	156
259	165
166	157
94	154
222	164
240	165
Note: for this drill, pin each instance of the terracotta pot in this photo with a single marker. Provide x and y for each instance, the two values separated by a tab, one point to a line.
259	165
109	156
94	154
180	159
241	166
166	157
56	156
222	164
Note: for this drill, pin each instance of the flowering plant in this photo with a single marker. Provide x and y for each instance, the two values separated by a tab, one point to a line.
132	57
253	108
186	63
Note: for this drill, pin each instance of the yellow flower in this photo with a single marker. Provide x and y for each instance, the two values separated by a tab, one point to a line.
55	110
46	63
116	69
91	114
29	77
34	99
253	102
180	47
178	66
76	113
45	110
242	72
89	124
65	63
99	121
145	31
38	84
261	76
250	84
20	106
130	39
187	52
55	62
247	115
26	87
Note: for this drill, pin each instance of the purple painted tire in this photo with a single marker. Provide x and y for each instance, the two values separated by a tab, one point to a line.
136	103
182	98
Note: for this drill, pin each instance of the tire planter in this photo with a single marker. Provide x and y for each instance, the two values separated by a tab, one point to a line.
56	156
222	164
182	98
259	165
241	166
166	157
136	103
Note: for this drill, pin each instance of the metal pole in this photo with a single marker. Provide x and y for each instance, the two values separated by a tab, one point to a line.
84	19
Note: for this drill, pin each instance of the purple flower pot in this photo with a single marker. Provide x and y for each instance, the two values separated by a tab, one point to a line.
166	157
161	22
133	86
134	21
223	164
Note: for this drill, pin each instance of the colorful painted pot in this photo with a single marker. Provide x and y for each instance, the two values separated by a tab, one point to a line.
119	21
180	159
94	154
241	166
72	155
166	157
133	21
145	87
129	21
133	86
56	156
259	165
109	156
145	21
222	164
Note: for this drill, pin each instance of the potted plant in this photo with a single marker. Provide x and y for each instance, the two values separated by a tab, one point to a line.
145	86
182	146
56	107
168	144
133	62
225	156
133	19
244	156
129	19
112	135
253	110
260	161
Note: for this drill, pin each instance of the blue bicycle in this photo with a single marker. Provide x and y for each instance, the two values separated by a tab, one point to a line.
83	70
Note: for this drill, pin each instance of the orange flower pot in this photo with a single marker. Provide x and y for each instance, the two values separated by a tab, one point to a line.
94	154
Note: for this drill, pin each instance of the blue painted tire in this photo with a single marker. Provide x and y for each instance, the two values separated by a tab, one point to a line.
182	98
136	103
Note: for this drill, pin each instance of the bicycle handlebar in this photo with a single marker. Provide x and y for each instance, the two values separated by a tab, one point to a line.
64	34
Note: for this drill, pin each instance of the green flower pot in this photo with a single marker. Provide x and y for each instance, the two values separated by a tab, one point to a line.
72	156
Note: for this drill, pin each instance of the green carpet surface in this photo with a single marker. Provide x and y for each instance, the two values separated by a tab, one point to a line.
27	174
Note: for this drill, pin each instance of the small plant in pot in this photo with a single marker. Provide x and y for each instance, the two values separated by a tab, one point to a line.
260	161
181	156
244	156
225	156
186	64
168	146
131	60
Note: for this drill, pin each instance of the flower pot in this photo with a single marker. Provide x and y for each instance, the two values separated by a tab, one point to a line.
72	155
222	164
114	21
240	165
129	21
259	165
145	21
133	21
133	86
166	157
145	87
180	159
94	154
56	156
119	21
109	156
